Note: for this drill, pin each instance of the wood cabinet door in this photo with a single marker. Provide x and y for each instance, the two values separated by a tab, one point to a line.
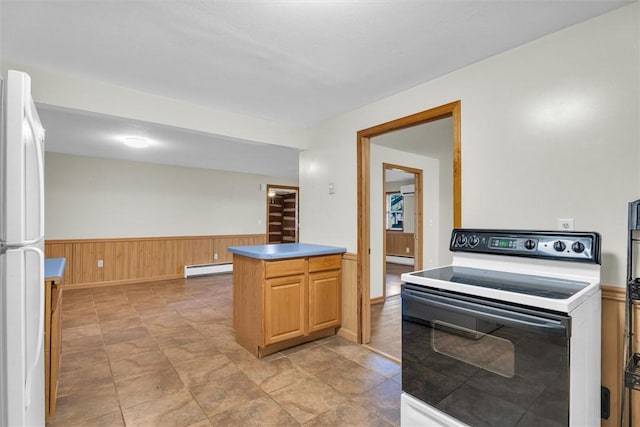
284	308
324	299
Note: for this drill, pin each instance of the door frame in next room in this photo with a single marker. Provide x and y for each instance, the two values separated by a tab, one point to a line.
417	217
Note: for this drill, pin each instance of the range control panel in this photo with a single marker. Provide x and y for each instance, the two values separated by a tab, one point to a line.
558	245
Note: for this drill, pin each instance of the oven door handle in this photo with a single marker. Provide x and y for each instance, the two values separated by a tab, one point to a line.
540	325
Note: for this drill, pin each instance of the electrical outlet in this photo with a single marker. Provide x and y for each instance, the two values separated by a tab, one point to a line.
406	250
566	224
100	263
605	403
215	256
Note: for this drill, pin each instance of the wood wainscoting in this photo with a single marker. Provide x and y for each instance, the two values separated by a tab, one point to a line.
133	260
613	307
398	243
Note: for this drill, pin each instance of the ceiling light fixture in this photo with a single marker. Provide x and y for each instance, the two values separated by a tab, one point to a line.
136	142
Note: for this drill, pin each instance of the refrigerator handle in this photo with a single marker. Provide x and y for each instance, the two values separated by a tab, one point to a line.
40	336
39	147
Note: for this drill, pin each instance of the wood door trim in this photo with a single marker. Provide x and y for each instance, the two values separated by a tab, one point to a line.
363	142
364	220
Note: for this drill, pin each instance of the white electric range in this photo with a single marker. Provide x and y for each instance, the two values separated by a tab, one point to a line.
507	335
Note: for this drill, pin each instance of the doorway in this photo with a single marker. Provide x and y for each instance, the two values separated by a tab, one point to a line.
401	227
399	236
282	214
451	111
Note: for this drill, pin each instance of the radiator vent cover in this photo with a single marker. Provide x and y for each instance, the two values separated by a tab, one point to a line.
202	269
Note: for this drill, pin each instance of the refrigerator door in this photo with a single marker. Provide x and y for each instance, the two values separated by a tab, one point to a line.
3	162
22	260
24	315
24	165
3	344
3	326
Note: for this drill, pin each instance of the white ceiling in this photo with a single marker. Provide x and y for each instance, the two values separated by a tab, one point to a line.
295	62
99	135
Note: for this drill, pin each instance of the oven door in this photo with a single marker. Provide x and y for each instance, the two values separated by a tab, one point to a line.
484	362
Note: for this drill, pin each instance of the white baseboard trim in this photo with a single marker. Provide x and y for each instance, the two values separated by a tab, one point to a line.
202	269
400	260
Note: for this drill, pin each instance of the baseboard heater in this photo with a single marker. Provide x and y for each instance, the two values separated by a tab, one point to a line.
202	269
399	260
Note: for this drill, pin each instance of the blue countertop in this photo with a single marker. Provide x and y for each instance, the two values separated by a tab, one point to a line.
54	268
285	250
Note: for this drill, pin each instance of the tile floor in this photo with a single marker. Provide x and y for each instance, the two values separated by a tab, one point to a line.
386	327
386	323
164	354
392	278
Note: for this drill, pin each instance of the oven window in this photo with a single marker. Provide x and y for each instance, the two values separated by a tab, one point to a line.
481	372
488	352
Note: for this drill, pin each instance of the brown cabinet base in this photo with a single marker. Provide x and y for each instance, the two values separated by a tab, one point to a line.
274	348
283	303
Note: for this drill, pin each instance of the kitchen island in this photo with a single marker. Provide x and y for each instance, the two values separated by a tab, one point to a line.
285	294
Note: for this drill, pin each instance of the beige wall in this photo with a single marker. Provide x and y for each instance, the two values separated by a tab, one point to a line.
93	198
549	130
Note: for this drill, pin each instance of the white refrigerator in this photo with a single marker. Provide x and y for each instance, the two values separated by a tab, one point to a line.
21	256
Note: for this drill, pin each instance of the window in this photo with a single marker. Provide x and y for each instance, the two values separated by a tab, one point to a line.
395	211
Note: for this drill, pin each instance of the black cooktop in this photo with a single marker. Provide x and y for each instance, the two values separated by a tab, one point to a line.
546	287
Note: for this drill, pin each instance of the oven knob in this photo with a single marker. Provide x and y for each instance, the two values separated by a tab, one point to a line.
559	246
530	244
577	247
461	240
473	241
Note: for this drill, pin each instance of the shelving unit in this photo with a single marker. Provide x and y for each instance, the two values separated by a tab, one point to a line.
289	234
282	218
275	219
631	356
